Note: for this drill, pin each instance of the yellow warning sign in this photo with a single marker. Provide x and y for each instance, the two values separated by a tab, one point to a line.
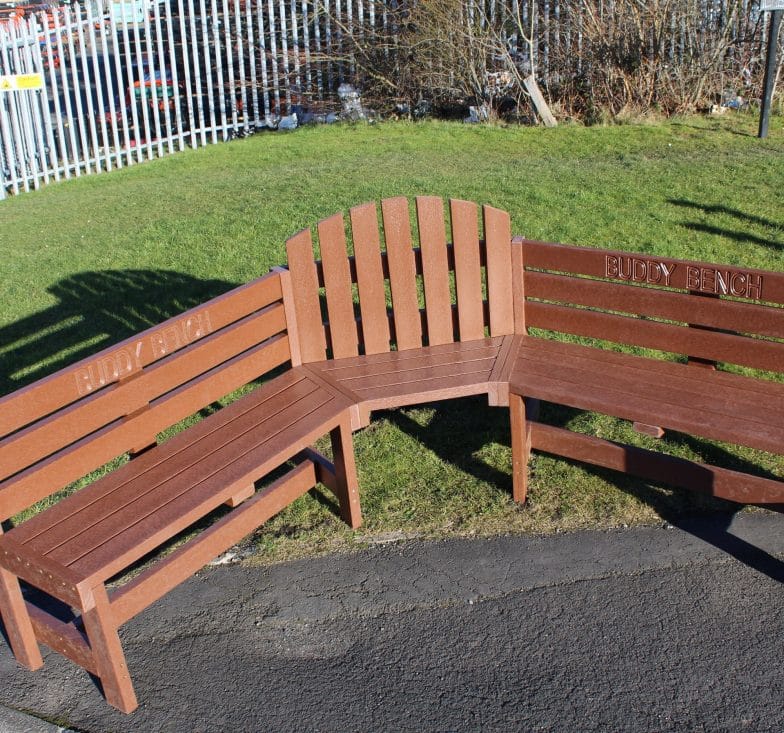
19	82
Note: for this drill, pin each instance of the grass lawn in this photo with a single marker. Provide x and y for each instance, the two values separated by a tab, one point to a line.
88	262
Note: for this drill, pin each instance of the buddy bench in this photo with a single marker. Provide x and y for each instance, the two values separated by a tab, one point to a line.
517	320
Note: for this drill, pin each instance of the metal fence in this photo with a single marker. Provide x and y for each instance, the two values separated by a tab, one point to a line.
143	79
131	80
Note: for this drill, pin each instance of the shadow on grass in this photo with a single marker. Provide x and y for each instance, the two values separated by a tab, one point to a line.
701	515
459	446
735	235
93	311
716	128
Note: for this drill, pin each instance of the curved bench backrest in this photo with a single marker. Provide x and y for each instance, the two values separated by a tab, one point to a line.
402	296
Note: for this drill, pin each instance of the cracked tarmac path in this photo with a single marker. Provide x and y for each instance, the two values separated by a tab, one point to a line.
648	629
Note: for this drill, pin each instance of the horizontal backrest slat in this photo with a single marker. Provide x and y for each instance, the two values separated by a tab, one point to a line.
127	396
124	359
657	303
92	452
702	277
712	345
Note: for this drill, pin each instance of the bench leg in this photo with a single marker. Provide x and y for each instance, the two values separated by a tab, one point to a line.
347	485
241	496
521	447
17	622
107	652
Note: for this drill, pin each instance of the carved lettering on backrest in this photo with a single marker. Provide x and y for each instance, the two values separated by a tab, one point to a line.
639	269
698	278
724	282
129	359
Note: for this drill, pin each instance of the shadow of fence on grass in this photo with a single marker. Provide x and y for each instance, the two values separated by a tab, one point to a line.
737	235
93	311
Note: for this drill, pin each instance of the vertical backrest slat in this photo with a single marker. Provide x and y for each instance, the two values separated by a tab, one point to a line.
370	279
402	273
287	292
337	286
498	238
435	269
468	270
518	284
304	281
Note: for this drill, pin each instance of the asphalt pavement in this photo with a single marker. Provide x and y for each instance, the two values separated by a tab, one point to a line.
647	629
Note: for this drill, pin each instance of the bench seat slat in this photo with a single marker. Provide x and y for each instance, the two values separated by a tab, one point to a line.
66	517
147	498
476	370
415	361
418	375
721	378
456	350
147	534
144	518
126	548
679	385
755	353
596	389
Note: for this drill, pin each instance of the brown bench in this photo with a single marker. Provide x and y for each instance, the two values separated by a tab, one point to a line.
62	428
726	323
358	327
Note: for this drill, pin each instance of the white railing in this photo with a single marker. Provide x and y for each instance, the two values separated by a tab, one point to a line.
145	79
124	81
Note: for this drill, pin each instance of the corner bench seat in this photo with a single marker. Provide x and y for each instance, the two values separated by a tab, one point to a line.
429	373
700	401
115	521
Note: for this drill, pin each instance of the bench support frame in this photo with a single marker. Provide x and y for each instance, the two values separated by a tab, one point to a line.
98	649
722	483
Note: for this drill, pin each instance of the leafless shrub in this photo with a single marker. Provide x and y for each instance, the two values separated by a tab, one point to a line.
595	58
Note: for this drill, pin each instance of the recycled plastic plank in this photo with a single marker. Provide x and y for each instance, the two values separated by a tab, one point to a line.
435	269
337	286
402	273
370	279
468	273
